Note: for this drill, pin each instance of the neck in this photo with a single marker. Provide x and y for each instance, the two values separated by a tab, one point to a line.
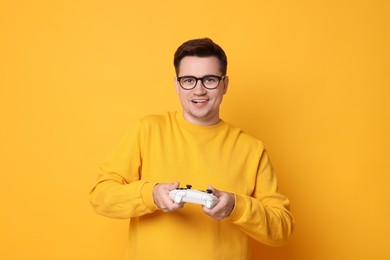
202	121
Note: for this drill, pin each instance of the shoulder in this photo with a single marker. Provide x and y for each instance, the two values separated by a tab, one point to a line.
243	137
157	120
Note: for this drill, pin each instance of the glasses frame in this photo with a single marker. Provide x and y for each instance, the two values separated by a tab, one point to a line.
201	80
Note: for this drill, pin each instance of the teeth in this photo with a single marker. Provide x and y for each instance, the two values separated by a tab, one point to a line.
199	100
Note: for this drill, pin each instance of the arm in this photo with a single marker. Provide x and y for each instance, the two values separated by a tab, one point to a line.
119	191
114	197
264	215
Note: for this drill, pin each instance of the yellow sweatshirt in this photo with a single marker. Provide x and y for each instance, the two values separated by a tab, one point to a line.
167	148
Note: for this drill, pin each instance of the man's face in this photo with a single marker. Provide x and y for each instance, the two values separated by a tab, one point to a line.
201	105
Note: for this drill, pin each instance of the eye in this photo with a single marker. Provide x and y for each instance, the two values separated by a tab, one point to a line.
210	79
187	80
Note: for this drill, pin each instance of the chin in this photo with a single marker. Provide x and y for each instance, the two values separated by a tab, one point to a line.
201	116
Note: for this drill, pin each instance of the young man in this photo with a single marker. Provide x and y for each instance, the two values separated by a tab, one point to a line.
193	147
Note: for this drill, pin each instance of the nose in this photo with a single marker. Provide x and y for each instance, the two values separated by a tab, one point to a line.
199	89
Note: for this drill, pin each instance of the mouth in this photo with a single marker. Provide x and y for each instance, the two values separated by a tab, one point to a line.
199	101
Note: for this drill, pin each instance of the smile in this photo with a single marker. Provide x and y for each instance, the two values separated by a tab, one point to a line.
196	101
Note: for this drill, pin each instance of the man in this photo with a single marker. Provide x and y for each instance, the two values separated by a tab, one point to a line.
193	147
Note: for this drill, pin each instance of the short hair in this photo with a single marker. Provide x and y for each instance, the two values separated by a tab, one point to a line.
203	47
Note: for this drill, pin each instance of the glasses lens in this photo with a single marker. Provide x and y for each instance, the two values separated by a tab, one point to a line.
187	82
210	82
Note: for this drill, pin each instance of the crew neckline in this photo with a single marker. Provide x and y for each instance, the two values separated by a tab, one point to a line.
191	126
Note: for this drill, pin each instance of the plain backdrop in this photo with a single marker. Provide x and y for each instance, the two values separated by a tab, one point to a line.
308	78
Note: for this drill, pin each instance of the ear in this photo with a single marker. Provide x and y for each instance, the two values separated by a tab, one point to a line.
225	84
176	84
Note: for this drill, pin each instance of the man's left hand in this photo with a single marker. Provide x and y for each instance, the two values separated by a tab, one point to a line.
224	207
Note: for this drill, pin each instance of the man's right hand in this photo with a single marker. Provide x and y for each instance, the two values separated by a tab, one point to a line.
162	199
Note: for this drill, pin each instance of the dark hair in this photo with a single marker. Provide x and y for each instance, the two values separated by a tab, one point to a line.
203	47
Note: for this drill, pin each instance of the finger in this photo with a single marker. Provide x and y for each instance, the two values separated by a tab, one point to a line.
216	192
176	185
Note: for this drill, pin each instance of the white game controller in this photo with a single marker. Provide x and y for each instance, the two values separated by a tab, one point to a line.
205	198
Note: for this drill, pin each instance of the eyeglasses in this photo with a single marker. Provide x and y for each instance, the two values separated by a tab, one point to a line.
208	81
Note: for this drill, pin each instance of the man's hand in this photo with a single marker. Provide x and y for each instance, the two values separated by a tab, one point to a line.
224	207
162	199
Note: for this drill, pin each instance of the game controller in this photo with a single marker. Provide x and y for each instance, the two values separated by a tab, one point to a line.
205	198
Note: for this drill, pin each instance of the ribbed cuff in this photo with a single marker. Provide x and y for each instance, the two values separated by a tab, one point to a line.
239	208
147	195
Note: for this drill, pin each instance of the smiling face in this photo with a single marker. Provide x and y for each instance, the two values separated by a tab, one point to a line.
201	105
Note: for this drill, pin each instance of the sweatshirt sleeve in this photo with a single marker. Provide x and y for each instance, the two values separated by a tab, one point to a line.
265	215
119	191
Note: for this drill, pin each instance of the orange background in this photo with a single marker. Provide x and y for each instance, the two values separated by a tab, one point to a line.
309	78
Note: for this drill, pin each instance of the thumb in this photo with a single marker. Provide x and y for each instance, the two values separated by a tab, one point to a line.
175	185
216	192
